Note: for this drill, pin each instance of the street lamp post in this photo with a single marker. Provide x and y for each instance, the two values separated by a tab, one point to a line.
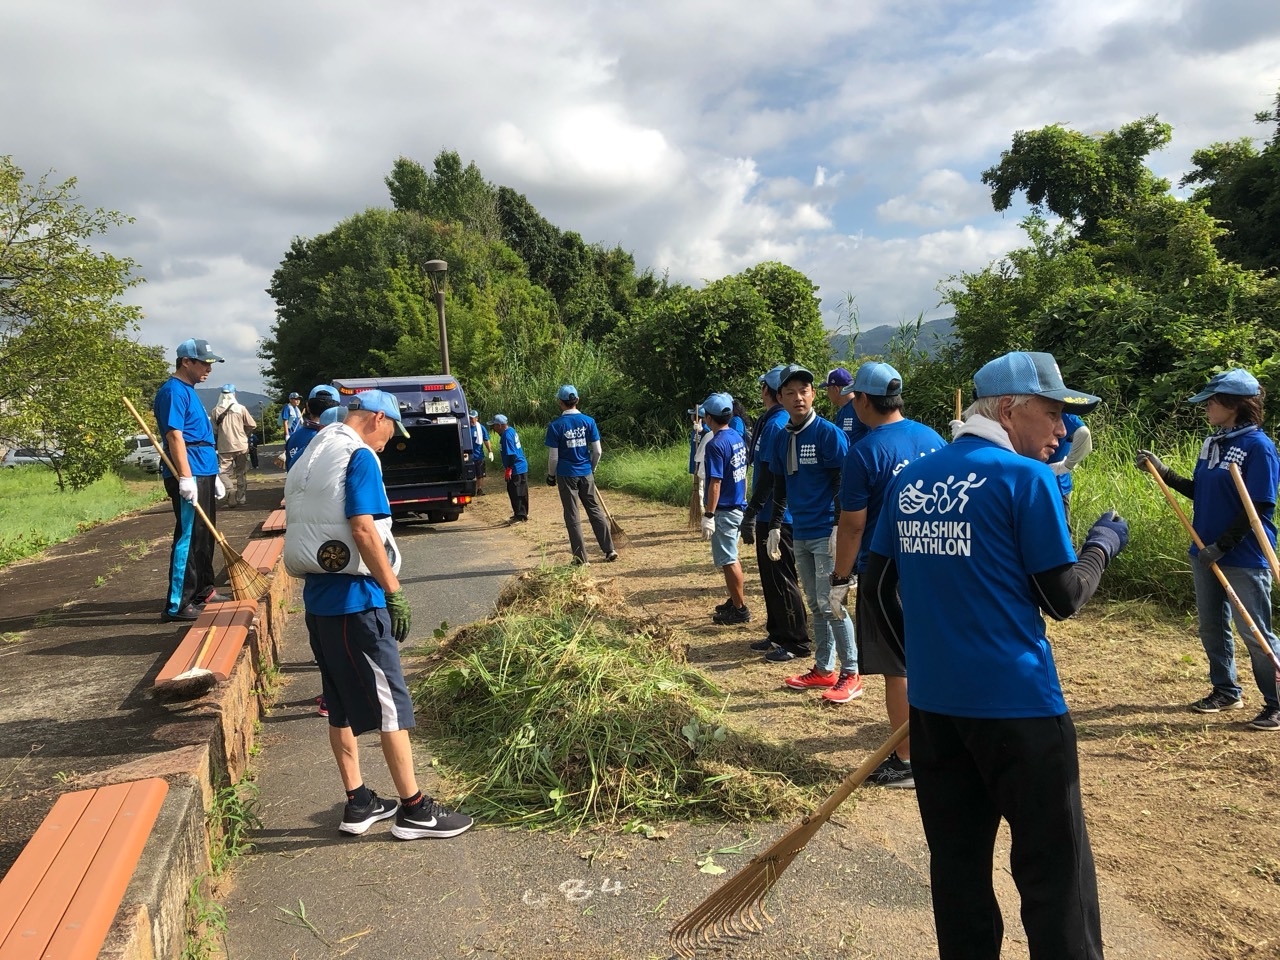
436	271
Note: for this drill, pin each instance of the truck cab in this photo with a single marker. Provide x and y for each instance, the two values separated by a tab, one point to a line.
429	475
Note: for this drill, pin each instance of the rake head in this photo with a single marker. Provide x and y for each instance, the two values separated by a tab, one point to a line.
247	581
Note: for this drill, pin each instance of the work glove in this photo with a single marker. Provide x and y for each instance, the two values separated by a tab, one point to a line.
219	488
1109	533
773	546
187	489
551	480
1146	456
955	428
506	474
1061	467
838	597
401	615
1210	554
491	456
708	526
831	544
748	530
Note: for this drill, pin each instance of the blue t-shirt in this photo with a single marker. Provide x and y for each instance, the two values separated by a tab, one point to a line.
725	460
290	416
870	466
820	451
1071	423
739	426
572	434
298	441
1217	502
766	428
967	527
513	452
178	407
479	434
334	594
847	420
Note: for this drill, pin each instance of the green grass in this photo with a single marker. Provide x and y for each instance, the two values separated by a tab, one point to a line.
34	514
559	710
660	474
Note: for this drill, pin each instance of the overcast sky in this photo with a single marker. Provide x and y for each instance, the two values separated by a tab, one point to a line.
845	138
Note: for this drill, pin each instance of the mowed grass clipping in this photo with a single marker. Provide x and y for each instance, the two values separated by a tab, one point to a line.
562	710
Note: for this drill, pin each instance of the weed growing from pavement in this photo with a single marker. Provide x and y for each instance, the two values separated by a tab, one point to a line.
10	636
206	923
233	815
563	709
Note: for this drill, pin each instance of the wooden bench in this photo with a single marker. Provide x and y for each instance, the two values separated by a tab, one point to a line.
274	523
232	620
58	900
263	554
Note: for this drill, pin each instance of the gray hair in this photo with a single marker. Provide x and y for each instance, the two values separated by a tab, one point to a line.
989	407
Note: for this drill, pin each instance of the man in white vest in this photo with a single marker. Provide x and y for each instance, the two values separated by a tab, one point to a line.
339	539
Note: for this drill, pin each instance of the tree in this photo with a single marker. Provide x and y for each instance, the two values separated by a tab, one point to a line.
1080	178
60	299
795	311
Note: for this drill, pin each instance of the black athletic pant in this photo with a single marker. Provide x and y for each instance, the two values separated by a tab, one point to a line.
191	556
518	493
787	619
969	773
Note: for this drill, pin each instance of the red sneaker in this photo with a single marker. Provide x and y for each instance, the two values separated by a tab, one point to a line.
848	687
811	679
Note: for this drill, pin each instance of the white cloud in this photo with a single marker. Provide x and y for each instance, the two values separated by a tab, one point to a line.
942	197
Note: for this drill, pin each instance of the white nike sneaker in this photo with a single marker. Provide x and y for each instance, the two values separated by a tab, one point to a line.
429	819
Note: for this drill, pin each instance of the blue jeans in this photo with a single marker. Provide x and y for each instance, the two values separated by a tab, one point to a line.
1253	586
831	635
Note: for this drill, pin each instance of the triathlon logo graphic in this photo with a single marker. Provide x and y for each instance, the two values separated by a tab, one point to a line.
943	497
333	556
947	538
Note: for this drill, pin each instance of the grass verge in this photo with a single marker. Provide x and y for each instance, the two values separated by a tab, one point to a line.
562	710
34	514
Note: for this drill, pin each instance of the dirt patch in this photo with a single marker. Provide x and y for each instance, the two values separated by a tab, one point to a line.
1182	808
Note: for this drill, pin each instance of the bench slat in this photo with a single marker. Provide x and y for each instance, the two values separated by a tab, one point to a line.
89	916
274	523
37	856
263	554
232	620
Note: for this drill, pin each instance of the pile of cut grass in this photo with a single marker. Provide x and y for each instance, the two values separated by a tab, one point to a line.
562	710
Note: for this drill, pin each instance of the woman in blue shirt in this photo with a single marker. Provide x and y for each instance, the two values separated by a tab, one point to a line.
1233	406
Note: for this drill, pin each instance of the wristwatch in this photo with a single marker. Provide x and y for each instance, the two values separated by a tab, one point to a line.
838	581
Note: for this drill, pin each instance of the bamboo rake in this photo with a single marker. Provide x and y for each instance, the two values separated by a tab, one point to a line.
1241	612
246	582
1263	540
738	906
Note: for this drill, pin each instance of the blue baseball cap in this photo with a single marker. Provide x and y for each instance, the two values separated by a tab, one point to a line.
228	388
198	350
567	392
474	414
718	405
323	390
332	415
1237	382
1034	373
876	379
375	401
839	377
499	420
770	378
793	371
295	395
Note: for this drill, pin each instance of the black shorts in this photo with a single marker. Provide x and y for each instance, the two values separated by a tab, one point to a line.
360	671
878	654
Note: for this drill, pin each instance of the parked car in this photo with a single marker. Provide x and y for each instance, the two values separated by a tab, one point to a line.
140	452
20	456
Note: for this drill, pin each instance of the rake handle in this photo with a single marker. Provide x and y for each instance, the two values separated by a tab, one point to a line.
957	416
1260	532
222	541
854	779
1222	577
204	648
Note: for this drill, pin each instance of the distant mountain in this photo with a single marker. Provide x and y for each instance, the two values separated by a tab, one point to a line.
875	341
256	402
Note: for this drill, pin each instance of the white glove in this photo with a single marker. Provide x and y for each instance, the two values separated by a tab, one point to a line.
1059	468
491	456
773	546
955	426
838	598
187	489
219	488
831	544
708	527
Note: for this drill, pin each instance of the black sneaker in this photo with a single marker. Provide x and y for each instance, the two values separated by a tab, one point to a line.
762	646
429	819
611	557
893	772
779	655
1268	719
213	596
1217	702
732	616
357	820
186	613
723	607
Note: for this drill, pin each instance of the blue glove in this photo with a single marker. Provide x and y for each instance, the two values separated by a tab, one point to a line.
1109	533
1210	554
